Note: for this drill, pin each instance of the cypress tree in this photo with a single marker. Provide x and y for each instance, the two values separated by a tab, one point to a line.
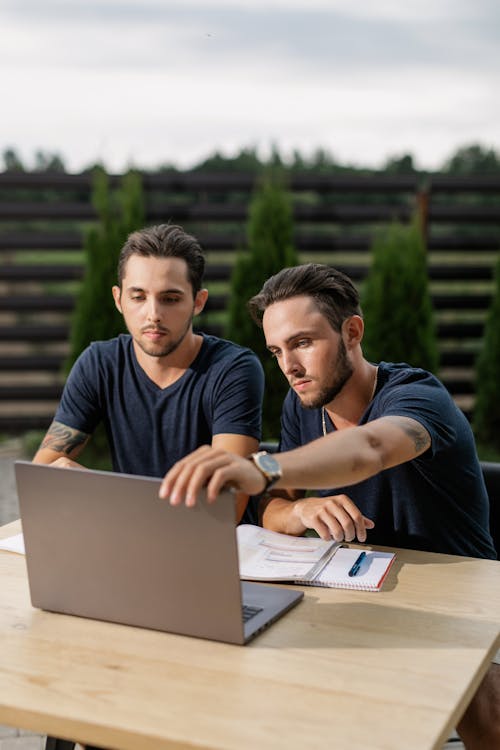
95	317
119	212
396	302
486	417
270	248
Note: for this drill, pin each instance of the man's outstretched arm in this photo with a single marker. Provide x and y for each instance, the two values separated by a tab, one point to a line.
340	459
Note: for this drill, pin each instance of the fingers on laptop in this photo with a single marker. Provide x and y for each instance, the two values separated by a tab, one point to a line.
211	468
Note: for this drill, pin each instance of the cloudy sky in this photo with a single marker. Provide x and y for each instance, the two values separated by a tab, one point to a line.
152	82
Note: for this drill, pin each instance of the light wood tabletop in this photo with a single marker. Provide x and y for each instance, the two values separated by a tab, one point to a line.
343	669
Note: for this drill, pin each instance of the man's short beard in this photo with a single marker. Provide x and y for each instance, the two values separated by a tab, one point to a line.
162	352
343	370
170	347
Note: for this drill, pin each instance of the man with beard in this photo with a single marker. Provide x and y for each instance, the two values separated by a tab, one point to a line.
162	390
392	455
395	456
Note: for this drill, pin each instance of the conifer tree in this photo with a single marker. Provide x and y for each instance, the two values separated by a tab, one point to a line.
270	248
119	213
95	317
396	302
486	418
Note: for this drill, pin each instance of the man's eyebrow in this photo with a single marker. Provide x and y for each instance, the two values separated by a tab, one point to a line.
299	335
163	291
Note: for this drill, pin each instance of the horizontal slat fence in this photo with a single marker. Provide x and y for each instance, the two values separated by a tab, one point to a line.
43	218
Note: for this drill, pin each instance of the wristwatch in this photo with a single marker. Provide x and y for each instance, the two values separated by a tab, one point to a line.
268	467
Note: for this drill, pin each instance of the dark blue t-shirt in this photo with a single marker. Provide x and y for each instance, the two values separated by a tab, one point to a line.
437	501
150	428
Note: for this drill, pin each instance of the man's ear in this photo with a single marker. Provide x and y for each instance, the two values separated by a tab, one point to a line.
352	331
117	293
200	301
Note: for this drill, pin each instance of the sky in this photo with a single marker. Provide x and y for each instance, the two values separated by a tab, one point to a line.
161	82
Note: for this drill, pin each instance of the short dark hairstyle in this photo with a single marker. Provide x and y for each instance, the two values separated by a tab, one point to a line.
333	292
165	241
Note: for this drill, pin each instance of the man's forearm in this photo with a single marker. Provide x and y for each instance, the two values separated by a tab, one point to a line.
278	515
60	441
46	456
342	459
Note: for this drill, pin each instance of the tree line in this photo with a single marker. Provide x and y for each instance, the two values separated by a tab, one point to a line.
471	159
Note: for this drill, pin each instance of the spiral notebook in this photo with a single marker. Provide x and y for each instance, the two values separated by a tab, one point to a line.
268	556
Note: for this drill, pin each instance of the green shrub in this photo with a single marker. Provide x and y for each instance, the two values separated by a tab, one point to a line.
95	317
270	248
399	318
486	417
119	212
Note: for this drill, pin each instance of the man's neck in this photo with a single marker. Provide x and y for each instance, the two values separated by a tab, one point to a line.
348	407
165	371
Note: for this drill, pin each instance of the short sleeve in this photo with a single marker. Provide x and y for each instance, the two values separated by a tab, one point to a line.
79	405
237	397
428	402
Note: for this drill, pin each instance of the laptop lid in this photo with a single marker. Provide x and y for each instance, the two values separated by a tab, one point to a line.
103	545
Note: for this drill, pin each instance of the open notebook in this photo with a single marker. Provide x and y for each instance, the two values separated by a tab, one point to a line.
268	556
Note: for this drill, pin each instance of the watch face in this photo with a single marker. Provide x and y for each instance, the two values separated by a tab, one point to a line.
269	464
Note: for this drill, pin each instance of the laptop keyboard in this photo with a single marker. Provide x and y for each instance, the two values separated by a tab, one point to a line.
248	612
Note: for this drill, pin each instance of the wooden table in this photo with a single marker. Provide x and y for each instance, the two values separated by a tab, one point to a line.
344	669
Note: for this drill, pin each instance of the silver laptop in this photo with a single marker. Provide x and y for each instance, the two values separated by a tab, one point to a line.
103	545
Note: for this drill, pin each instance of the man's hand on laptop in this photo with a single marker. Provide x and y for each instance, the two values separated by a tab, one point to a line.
214	469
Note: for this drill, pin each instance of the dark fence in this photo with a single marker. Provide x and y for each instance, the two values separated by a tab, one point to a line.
43	218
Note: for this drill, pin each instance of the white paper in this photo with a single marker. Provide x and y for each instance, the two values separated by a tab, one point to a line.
13	544
268	555
370	575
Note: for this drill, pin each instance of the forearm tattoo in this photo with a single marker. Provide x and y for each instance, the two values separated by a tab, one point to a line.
63	439
415	431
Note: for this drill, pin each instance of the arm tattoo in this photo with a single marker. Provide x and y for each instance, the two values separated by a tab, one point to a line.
415	431
63	439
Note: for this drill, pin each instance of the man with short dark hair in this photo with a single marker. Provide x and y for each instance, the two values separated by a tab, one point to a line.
162	390
397	457
392	456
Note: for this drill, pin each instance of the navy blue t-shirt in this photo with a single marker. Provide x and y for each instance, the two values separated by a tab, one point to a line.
436	502
150	428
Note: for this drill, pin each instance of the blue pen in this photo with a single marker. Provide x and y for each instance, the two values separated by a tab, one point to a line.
357	564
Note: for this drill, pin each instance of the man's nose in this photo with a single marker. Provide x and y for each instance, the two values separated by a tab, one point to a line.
153	310
289	363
